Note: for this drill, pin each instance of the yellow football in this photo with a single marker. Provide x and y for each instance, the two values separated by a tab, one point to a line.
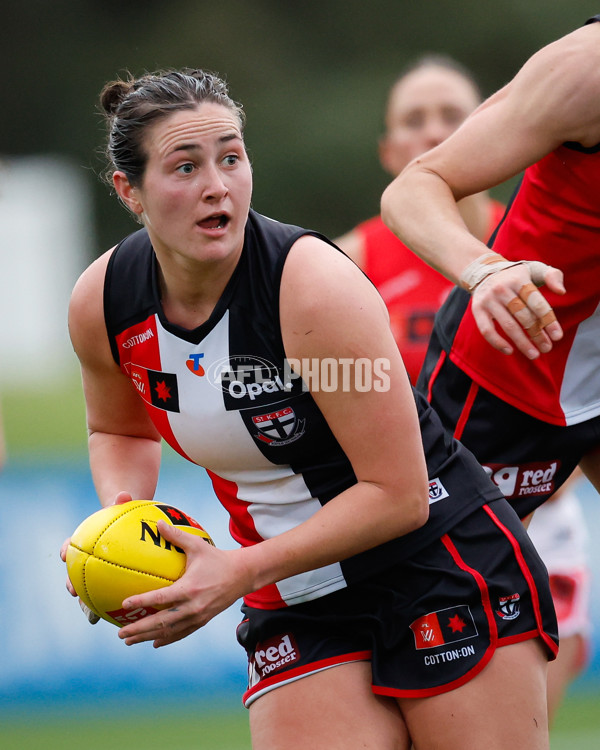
118	552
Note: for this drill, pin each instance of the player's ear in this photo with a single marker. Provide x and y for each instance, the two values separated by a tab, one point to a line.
128	193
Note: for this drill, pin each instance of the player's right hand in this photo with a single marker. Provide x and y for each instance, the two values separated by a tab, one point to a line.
92	617
63	557
121	497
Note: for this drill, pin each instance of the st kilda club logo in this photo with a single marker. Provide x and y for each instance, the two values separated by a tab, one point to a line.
509	607
278	427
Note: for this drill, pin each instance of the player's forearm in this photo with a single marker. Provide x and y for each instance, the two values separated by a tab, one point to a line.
358	519
419	207
120	463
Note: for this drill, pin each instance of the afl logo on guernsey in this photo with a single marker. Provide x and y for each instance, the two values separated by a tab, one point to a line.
248	381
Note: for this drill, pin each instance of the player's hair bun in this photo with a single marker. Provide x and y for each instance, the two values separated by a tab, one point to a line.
113	94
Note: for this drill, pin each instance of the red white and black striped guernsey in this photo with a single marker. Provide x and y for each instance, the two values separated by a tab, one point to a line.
222	397
554	217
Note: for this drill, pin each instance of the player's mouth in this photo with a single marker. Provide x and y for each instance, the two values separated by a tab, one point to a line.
214	222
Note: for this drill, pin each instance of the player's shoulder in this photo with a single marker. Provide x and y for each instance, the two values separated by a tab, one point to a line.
575	56
353	245
321	283
558	88
580	42
91	281
313	262
86	306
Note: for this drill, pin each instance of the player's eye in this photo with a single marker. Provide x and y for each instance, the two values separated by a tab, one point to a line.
414	120
231	160
453	117
186	168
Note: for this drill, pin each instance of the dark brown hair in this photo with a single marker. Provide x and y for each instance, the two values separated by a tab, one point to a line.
131	105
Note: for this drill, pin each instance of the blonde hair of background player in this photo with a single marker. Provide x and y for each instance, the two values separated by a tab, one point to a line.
424	106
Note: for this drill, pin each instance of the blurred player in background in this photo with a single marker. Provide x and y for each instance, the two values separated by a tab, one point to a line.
428	101
546	395
387	583
560	535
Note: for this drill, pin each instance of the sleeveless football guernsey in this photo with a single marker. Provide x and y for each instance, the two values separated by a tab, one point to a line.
412	291
554	217
223	397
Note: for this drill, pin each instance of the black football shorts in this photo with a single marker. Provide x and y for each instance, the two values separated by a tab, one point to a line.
427	625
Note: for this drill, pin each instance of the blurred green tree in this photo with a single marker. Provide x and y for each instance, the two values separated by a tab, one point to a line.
313	77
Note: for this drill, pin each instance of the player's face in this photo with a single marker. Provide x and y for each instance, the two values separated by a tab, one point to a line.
424	108
195	194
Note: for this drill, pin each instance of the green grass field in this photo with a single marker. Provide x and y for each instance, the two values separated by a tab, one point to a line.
45	420
577	725
577	728
163	728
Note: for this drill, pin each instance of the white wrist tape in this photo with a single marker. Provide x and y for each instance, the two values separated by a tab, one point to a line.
490	263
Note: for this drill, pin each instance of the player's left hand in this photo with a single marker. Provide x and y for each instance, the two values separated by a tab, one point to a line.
213	580
511	298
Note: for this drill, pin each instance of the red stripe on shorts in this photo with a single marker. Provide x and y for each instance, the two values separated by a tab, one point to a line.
528	577
294	674
466	411
489	652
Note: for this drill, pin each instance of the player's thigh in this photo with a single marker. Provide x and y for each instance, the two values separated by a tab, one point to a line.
502	708
333	709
